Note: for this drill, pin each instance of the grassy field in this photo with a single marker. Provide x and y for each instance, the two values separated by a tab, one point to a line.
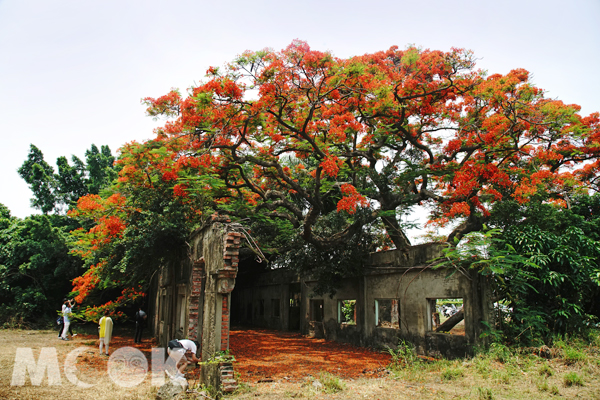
572	371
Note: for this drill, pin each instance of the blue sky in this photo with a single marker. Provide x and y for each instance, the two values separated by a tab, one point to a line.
72	73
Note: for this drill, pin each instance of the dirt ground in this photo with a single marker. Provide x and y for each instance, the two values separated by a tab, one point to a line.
264	354
271	365
91	367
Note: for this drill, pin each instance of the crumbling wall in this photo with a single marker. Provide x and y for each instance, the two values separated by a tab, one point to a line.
193	297
408	279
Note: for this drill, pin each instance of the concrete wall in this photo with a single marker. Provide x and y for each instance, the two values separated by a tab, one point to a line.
404	276
196	298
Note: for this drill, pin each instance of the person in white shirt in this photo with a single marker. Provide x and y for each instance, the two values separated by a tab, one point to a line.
66	311
183	351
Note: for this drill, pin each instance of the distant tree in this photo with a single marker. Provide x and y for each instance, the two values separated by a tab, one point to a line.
39	175
70	180
56	191
36	267
100	168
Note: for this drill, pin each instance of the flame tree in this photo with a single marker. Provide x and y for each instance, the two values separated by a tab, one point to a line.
292	132
325	148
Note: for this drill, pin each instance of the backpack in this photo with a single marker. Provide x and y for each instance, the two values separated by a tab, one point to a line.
174	344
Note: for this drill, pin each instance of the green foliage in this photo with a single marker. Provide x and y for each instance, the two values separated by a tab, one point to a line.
348	308
39	175
403	355
35	266
500	352
550	293
545	269
53	191
100	168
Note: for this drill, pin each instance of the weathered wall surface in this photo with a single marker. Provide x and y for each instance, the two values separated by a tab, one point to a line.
196	299
193	296
405	277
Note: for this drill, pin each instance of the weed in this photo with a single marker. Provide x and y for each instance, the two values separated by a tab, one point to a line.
543	386
573	378
485	393
452	373
545	369
331	383
242	388
403	355
293	395
500	352
15	322
554	390
572	355
501	377
482	365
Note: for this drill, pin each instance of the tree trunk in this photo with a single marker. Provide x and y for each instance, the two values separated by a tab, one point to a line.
395	232
451	322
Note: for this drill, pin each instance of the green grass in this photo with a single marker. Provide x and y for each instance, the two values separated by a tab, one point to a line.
331	383
573	355
573	379
485	393
546	370
452	373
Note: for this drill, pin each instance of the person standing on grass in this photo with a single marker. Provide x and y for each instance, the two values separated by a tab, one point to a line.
140	324
105	326
66	311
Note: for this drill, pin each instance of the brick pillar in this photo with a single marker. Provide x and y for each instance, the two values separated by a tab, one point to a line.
225	323
197	275
231	253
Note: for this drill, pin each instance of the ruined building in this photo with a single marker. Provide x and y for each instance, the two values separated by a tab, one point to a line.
397	297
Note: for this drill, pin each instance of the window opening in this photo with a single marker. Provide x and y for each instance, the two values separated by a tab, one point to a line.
347	312
447	316
317	312
182	312
387	313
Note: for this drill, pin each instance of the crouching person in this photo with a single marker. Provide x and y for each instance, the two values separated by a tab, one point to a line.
183	352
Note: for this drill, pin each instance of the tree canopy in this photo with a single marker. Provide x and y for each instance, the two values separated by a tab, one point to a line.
298	134
320	156
56	191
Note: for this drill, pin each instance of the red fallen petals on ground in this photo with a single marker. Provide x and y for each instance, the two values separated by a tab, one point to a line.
264	354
